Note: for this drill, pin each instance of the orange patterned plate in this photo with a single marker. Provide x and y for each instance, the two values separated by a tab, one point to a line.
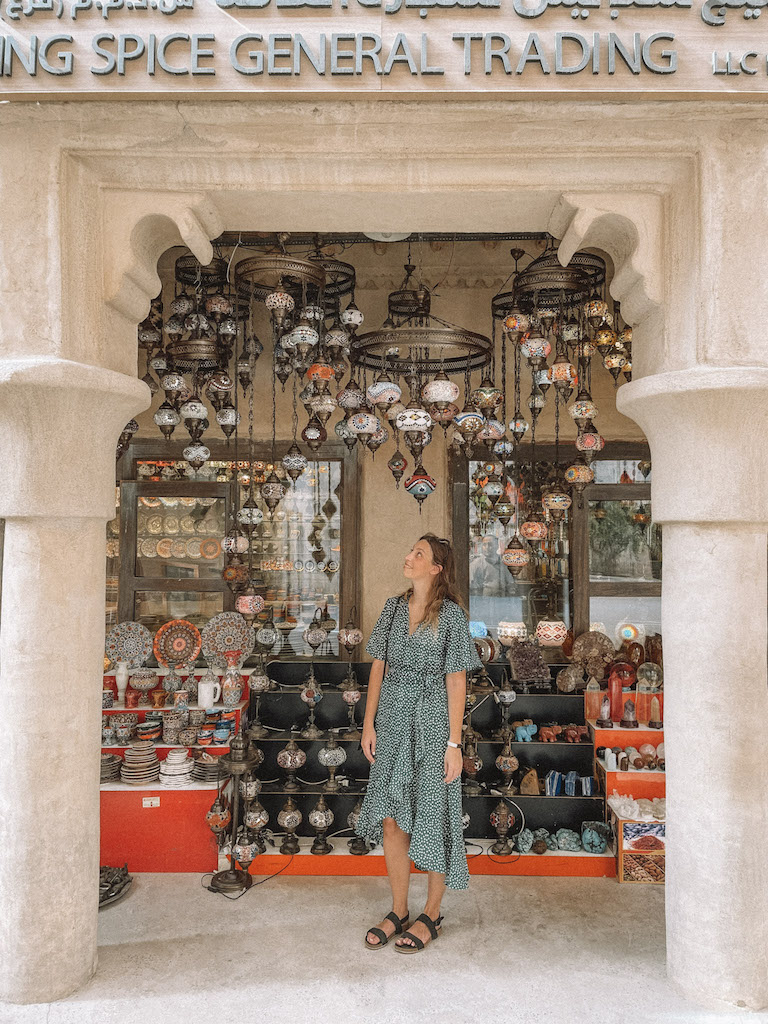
210	548
177	642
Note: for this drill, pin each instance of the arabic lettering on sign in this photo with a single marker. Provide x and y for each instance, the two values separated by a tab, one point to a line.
713	12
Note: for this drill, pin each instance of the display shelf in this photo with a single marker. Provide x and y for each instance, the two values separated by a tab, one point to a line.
192	707
637	782
155	787
621	737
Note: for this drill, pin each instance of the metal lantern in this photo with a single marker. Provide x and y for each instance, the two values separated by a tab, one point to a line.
272	491
518	426
291	759
196	455
294	462
515	556
420	485
440	392
321	817
589	441
534	527
289	819
332	756
502	819
383	392
397	466
279	304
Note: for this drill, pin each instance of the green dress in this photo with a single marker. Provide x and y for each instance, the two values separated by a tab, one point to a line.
406	780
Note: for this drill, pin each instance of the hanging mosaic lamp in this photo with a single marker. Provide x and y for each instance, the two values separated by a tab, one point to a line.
535	347
468	421
605	340
397	465
583	408
364	425
350	636
248	603
351	317
336	339
235	573
322	404
440	392
595	310
515	556
294	462
443	414
518	426
487	396
279	304
589	441
493	488
541	379
235	542
320	371
516	323
556	501
490	432
614	362
562	373
267	636
272	491
383	393
341	429
375	441
249	515
167	419
578	475
314	434
196	455
536	401
504	448
534	527
228	418
504	510
420	485
571	332
413	419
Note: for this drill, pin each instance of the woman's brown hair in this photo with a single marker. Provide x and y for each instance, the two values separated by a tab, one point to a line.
443	582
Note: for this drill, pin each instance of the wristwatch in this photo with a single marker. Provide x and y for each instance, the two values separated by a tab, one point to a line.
456	745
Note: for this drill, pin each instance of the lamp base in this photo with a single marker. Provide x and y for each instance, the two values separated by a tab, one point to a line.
231	880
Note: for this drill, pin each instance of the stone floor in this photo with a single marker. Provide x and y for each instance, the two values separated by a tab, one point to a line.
513	950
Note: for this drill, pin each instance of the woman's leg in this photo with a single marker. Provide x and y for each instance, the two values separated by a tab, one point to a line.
435	890
396	843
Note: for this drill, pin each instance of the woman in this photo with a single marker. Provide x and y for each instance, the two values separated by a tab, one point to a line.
412	738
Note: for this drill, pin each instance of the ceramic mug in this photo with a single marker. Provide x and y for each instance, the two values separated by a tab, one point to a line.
132	698
107	698
107	735
208	693
181	698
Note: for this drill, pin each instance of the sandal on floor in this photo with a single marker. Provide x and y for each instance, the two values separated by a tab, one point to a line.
381	935
419	944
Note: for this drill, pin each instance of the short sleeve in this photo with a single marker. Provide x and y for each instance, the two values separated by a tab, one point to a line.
460	653
377	641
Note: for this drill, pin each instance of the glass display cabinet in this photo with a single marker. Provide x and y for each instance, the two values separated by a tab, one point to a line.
173	520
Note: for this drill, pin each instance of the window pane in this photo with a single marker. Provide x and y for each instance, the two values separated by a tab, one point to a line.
153	608
606	613
622	471
624	545
180	538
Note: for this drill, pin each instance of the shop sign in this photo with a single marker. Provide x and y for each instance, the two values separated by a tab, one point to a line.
119	48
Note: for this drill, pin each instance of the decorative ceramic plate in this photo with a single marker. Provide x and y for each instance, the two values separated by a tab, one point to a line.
177	642
171	524
210	548
179	549
193	548
170	502
150	502
188	502
202	527
129	641
333	566
309	565
148	548
155	524
113	548
227	631
298	565
187	524
207	502
164	547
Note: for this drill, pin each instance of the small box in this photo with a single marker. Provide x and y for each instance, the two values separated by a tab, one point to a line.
640	851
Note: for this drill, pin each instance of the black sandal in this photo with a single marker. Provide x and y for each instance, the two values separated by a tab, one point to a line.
381	935
419	944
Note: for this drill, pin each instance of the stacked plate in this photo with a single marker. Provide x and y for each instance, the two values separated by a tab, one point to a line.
206	769
141	764
176	769
110	767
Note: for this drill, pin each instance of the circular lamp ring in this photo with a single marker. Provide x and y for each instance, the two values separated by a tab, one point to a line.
339	276
423	346
546	282
408	302
191	272
257	276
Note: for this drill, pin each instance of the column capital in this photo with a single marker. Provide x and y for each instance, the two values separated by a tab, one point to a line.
706	427
59	425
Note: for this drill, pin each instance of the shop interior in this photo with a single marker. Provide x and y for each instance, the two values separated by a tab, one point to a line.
319	402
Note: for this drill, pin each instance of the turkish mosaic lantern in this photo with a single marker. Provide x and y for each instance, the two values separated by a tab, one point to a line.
535	346
471	762
321	818
583	408
218	817
279	304
289	819
350	636
413	419
364	425
256	817
534	527
516	323
518	426
615	362
570	332
578	475
595	310
320	371
350	397
556	501
336	339
272	491
507	763
469	421
501	819
375	441
397	466
196	455
605	339
322	404
491	431
351	317
487	396
267	636
551	632
245	848
314	434
249	515
291	759
589	441
440	392
515	556
420	485
383	392
294	462
506	632
332	756
167	419
562	373
249	604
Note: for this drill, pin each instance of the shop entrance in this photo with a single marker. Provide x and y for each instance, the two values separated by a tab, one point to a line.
638	207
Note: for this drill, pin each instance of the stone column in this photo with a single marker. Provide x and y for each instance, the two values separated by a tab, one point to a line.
59	423
706	428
